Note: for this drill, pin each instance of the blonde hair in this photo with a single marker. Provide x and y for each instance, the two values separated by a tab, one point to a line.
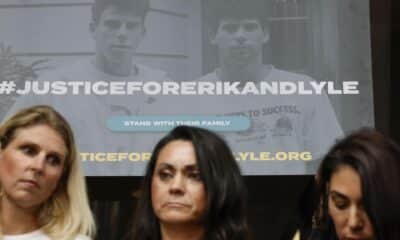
66	213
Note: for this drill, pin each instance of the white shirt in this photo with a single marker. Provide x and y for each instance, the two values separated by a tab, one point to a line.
36	235
279	123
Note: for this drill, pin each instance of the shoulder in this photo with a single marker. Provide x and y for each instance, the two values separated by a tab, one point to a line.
35	235
72	71
83	237
283	75
209	77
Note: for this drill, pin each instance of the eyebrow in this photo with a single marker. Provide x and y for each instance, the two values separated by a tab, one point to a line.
337	194
189	167
24	142
250	21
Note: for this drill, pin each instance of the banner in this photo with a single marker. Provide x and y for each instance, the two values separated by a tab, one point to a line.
280	80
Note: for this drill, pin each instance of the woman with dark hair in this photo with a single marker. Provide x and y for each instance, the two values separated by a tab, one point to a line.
192	190
358	189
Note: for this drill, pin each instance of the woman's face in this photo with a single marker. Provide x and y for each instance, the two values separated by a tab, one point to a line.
345	206
177	190
31	166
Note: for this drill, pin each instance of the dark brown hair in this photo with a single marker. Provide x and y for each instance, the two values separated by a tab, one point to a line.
377	161
218	10
225	217
137	7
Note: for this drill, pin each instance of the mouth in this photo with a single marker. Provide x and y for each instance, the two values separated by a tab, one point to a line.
175	205
240	47
122	47
240	50
354	238
30	183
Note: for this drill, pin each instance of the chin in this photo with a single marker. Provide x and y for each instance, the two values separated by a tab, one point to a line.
240	61
28	203
27	200
357	238
176	219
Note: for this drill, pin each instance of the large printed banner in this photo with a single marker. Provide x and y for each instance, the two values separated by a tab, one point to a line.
280	80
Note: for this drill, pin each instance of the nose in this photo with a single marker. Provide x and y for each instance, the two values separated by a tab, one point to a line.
38	163
122	33
240	35
355	221
177	186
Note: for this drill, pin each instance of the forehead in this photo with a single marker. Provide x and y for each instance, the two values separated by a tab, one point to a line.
178	154
238	21
41	135
115	12
346	181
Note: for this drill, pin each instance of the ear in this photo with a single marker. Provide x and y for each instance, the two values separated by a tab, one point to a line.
266	36
92	28
212	36
144	30
143	34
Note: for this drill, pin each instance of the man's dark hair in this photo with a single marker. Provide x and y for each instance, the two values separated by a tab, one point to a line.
225	216
216	10
137	7
376	159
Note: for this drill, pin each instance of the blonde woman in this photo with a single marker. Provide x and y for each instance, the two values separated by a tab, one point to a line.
42	189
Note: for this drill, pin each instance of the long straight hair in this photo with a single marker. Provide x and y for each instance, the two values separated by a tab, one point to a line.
225	217
376	159
66	213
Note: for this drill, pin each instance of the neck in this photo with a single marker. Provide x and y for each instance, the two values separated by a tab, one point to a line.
15	219
182	231
120	68
254	72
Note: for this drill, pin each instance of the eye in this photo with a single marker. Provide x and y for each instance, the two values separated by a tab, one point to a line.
250	27
195	175
112	24
28	150
230	28
132	25
340	203
53	160
165	175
